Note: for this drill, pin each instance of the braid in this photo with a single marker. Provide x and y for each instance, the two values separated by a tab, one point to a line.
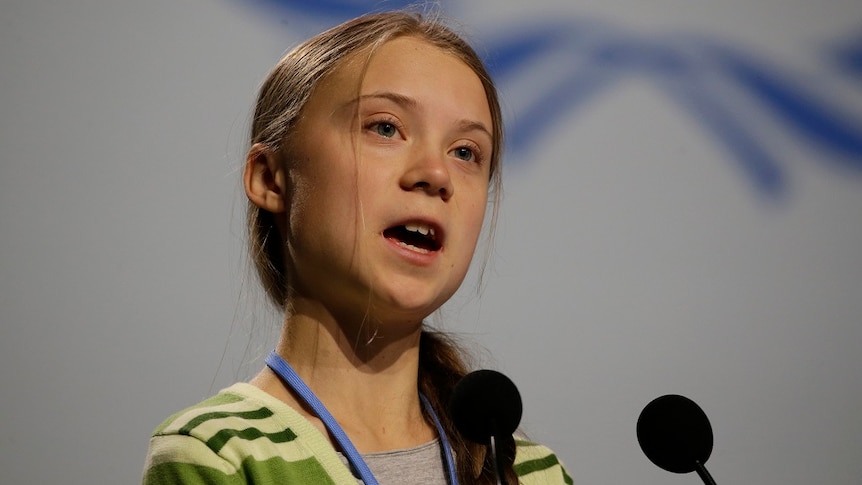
441	366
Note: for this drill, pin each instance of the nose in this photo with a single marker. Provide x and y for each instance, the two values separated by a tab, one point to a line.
428	172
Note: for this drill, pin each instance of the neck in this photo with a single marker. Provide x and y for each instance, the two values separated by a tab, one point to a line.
366	378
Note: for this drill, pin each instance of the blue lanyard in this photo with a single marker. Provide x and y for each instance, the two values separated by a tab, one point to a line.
292	380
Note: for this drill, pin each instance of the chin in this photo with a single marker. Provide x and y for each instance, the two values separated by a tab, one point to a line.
411	296
412	306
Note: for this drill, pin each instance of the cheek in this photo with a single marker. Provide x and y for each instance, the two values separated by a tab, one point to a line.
325	183
478	207
473	218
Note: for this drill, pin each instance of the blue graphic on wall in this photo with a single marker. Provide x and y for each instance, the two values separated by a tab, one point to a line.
720	85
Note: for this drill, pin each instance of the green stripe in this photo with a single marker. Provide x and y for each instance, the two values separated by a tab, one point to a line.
221	438
217	400
531	466
566	477
277	471
221	399
273	471
536	465
188	474
261	413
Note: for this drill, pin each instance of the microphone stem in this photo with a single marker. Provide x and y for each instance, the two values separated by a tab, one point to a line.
501	478
703	473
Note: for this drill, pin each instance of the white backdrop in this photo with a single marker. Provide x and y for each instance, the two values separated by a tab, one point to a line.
682	217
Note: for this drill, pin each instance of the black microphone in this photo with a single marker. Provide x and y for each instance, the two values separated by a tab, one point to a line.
675	434
486	408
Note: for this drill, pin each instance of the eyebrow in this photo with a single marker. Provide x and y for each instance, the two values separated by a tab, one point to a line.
399	99
408	102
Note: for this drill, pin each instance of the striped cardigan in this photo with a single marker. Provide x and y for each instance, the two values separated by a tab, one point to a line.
243	435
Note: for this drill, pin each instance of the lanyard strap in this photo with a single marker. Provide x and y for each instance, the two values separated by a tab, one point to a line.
294	382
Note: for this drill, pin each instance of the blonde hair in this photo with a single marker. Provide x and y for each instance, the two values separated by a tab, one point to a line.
280	103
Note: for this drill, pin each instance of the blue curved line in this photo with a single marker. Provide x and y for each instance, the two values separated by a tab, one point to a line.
526	129
685	74
822	124
675	67
761	167
508	56
849	56
609	60
586	80
341	9
516	48
601	56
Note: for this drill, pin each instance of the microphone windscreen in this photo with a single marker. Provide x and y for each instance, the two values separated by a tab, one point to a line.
675	433
485	403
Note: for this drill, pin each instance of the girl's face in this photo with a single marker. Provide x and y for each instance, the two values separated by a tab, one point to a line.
388	183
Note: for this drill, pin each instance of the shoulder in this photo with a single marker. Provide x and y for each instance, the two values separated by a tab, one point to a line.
236	411
237	435
535	464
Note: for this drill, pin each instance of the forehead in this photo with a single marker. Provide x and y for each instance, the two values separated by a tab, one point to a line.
415	68
403	58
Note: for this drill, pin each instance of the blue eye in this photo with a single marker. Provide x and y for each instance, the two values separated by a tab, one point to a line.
464	153
387	130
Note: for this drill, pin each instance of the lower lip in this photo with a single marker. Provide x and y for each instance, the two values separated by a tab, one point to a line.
414	257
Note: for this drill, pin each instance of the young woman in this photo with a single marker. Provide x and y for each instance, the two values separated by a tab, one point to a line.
374	148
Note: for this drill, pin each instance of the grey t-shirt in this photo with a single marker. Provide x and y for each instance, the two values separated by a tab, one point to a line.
422	464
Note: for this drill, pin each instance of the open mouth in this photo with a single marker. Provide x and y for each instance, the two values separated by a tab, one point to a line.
416	237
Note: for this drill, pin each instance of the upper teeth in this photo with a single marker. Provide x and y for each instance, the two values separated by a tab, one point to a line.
421	229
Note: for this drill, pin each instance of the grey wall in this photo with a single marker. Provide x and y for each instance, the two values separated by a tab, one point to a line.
636	255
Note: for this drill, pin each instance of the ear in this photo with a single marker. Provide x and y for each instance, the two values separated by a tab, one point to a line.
264	179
